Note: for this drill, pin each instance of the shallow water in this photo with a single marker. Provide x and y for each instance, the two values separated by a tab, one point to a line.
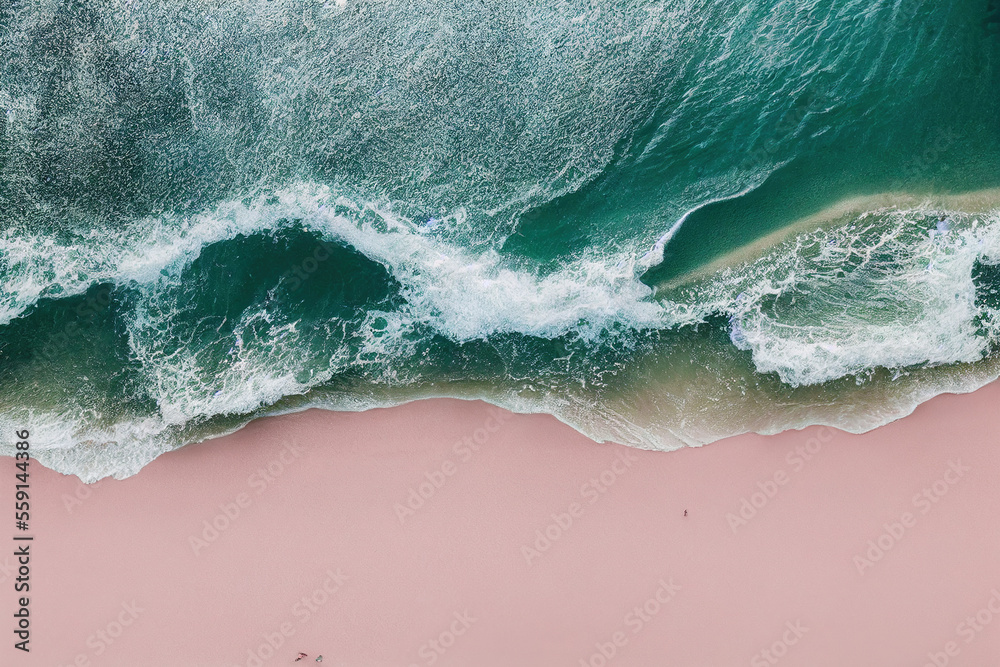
663	222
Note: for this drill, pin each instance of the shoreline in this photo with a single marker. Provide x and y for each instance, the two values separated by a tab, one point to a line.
598	429
605	414
376	538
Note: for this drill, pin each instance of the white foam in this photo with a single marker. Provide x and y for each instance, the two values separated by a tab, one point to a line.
68	444
450	290
467	295
916	291
881	292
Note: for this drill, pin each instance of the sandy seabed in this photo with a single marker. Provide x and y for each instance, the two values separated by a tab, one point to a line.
452	533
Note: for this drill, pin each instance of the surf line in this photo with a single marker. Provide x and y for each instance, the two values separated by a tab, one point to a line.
654	255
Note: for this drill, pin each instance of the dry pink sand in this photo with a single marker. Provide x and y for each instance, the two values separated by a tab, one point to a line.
320	558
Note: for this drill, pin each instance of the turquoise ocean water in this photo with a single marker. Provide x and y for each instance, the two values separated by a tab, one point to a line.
663	222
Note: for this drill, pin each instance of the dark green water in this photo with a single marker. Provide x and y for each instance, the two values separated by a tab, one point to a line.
631	215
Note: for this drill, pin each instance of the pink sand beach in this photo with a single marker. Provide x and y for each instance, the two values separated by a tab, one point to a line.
445	532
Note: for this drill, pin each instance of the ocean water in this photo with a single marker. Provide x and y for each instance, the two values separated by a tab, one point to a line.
662	222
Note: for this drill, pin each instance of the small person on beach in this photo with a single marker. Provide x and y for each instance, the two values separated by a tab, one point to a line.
301	655
685	512
319	658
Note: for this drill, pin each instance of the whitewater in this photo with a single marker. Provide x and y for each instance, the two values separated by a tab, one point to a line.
663	222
